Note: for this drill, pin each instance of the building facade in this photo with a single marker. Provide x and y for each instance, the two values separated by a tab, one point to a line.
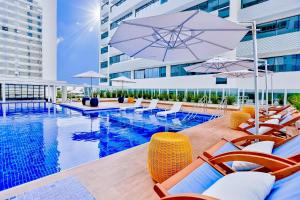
27	47
278	41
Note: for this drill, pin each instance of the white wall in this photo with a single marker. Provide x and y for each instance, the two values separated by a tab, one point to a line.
49	39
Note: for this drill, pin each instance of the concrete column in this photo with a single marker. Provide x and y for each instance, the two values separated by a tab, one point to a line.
209	96
243	98
285	97
64	93
238	97
223	93
168	70
3	93
54	94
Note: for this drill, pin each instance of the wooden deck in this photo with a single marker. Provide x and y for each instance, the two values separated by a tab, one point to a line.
124	175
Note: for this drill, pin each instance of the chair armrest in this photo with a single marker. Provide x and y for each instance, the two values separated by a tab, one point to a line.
188	197
250	138
268	161
276	127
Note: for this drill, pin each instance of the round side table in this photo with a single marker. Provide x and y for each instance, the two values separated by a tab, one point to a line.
168	153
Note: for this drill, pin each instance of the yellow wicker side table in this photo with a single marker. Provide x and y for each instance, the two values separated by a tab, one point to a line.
249	109
237	118
168	153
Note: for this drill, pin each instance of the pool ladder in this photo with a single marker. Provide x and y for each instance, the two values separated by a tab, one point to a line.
202	103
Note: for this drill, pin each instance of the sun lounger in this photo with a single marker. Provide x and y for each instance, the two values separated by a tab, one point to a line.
284	148
175	108
151	106
272	126
137	104
191	182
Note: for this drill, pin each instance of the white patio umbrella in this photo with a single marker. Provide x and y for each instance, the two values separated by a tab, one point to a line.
221	64
182	36
91	75
122	80
240	74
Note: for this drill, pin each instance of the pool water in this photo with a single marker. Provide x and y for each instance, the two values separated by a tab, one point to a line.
41	142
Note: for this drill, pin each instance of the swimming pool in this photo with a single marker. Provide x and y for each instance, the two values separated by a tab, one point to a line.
39	142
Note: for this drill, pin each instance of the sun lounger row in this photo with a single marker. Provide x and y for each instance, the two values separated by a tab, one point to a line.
152	106
261	166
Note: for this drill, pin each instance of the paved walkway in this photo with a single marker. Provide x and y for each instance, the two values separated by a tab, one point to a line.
124	175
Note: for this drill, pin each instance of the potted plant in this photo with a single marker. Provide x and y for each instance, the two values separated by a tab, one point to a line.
94	102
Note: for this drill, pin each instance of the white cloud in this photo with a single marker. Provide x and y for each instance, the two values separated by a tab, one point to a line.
59	40
78	23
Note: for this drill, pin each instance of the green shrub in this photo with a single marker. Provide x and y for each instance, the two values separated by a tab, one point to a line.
180	97
214	99
295	100
108	94
230	100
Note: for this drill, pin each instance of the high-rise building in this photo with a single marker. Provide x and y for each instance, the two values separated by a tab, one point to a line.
28	39
27	49
278	24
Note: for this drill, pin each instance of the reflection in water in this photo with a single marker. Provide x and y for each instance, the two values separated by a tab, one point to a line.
39	142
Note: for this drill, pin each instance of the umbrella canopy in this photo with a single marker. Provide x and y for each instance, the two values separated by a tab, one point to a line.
90	74
220	64
190	35
123	79
239	74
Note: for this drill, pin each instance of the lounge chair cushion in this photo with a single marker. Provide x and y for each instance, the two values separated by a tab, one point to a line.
226	148
263	147
286	188
288	149
197	181
264	129
242	185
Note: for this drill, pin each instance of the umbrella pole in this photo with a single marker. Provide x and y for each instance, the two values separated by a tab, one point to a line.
272	90
256	76
267	89
91	94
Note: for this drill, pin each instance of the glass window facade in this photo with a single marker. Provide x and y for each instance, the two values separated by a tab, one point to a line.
104	64
103	21
223	12
116	23
210	5
221	81
156	72
104	35
116	75
118	58
104	50
178	70
24	92
146	5
248	3
277	27
286	63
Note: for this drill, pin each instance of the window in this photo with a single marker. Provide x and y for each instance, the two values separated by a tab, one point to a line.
277	27
29	27
29	14
116	23
104	35
146	5
178	70
117	4
286	63
221	80
210	5
29	34
24	92
116	75
104	64
139	74
202	6
163	1
223	12
4	28
248	3
39	30
29	20
104	50
103	21
118	58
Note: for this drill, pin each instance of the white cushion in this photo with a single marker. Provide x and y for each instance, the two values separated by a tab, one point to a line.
265	129
242	186
262	147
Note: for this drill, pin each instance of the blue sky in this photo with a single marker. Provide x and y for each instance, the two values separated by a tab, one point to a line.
77	29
